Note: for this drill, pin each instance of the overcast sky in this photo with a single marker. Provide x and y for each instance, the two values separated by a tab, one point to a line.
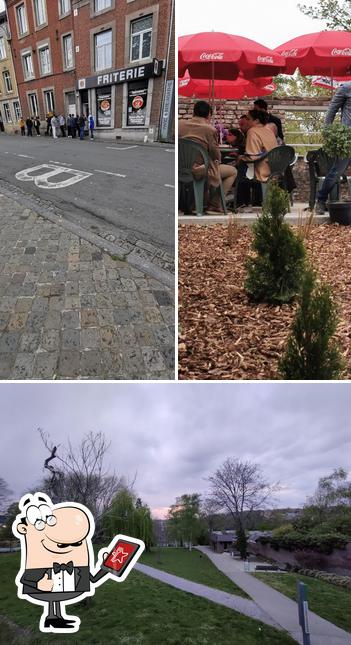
270	22
175	435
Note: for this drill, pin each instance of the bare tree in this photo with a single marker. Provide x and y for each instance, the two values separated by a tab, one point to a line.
5	492
79	473
240	488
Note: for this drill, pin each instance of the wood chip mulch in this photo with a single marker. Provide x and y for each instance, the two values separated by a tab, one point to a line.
222	334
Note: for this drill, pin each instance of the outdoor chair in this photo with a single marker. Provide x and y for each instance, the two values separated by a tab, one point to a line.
279	159
319	165
188	154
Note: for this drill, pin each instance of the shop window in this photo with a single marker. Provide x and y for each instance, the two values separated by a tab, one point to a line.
140	38
103	107
103	50
137	102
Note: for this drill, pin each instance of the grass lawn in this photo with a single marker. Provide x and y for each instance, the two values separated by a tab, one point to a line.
139	611
328	601
191	565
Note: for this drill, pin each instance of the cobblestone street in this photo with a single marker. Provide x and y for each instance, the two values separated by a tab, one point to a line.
70	310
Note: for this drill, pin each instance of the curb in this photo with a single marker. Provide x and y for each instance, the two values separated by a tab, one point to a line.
112	248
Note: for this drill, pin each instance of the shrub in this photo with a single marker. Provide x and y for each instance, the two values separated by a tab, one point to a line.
337	141
311	351
274	275
332	578
298	541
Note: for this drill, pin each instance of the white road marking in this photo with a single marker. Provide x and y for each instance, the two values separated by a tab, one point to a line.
63	163
168	150
42	179
115	174
169	186
26	156
117	148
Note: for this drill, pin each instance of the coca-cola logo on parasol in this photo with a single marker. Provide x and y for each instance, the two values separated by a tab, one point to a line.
289	52
265	59
212	56
341	52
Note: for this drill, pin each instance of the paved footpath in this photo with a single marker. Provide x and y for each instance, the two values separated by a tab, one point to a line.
281	609
71	310
242	605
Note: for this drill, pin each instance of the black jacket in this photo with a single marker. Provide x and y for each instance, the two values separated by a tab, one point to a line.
275	119
82	575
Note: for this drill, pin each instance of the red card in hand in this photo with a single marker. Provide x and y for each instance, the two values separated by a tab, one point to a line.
121	556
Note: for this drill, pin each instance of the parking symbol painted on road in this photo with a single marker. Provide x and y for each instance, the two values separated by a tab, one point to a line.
41	179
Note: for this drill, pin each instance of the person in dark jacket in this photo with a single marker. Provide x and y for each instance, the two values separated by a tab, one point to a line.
261	104
91	126
37	125
81	126
29	124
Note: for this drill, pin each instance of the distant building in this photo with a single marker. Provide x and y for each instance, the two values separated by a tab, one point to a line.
10	108
221	541
113	59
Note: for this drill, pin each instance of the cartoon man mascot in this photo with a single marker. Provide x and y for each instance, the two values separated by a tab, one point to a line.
56	557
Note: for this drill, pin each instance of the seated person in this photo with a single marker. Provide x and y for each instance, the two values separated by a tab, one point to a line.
261	104
259	140
274	128
243	123
200	130
236	139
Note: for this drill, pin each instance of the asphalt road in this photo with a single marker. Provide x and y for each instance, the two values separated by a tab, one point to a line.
127	187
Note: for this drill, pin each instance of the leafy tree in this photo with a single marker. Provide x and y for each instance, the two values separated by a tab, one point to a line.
129	515
6	530
336	13
185	523
5	492
311	350
240	488
274	275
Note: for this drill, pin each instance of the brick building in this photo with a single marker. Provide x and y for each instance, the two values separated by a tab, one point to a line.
10	110
113	59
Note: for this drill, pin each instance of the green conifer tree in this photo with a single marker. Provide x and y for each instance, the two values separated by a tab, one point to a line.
274	275
311	351
241	542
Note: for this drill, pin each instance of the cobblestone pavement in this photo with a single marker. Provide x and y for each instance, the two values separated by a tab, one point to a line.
69	310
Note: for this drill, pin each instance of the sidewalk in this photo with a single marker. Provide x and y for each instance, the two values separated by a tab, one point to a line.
71	310
249	216
281	609
242	605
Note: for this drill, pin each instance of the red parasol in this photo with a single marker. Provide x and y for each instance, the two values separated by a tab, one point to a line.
237	89
324	52
215	55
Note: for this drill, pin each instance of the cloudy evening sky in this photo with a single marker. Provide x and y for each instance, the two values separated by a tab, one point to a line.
271	23
174	435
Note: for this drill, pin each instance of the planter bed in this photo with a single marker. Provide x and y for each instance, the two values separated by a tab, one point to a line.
225	336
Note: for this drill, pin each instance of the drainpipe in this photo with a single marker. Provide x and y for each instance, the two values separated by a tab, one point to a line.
167	66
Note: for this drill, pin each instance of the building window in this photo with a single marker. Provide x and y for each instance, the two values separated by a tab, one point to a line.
49	101
17	109
44	60
103	50
67	51
33	104
22	20
7	81
2	48
40	13
65	7
103	107
27	66
140	38
137	101
7	111
100	5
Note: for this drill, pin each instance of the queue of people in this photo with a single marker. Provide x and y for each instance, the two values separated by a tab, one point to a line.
58	126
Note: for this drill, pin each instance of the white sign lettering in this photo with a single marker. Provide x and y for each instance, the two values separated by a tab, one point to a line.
212	56
41	179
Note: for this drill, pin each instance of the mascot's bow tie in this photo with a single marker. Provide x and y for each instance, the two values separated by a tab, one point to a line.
63	567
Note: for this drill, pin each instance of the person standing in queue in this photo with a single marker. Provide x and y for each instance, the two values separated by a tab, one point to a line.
22	126
29	124
91	126
81	125
37	125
